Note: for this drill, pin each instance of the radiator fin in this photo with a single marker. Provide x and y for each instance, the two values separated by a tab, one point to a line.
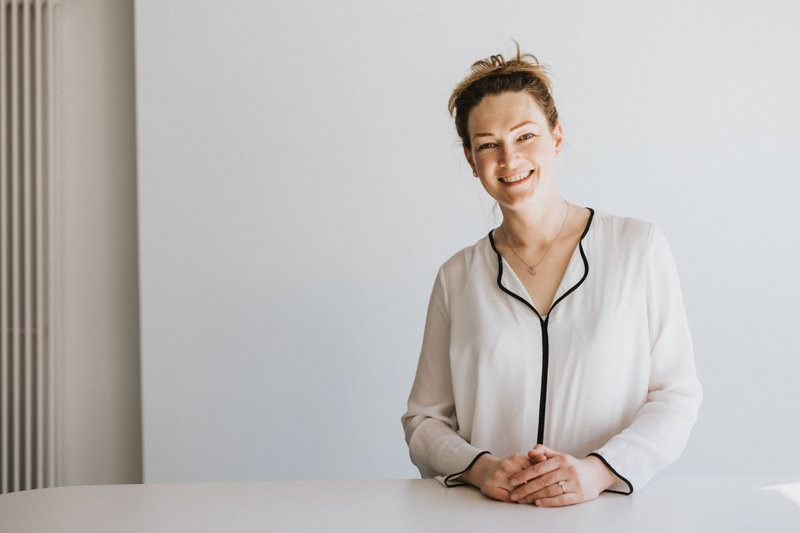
27	179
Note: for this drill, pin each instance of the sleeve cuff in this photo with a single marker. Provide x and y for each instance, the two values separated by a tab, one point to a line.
450	481
437	450
619	487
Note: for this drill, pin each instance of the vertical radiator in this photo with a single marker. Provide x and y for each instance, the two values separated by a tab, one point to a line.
27	194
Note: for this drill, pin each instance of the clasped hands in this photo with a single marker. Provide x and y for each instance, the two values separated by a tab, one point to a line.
534	478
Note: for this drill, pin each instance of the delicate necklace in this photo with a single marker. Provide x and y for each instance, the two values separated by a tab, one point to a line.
532	269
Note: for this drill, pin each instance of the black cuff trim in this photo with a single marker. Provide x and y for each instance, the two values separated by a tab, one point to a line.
448	478
615	473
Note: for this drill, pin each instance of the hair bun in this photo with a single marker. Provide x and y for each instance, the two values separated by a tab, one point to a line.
495	75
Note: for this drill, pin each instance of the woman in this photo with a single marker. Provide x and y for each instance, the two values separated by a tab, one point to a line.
561	333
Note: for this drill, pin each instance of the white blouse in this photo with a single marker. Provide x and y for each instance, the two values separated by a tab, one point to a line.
609	371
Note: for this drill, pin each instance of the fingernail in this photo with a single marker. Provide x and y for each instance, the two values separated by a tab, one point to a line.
514	482
538	503
515	496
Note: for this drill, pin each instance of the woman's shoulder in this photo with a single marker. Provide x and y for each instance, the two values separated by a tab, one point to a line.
460	264
607	227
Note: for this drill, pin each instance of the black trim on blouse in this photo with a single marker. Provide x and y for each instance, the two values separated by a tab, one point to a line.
451	476
593	454
544	322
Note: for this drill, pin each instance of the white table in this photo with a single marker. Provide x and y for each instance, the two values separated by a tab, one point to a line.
668	504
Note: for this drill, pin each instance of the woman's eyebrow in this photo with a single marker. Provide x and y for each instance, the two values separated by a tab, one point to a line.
512	129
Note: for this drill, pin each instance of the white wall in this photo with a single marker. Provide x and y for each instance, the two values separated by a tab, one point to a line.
99	417
300	182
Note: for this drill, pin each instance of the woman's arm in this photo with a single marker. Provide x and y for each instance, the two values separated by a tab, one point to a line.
430	423
661	427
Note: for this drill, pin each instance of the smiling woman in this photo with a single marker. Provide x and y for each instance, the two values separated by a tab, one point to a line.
562	335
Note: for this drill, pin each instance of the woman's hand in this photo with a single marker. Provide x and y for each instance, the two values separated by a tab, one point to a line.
493	475
584	479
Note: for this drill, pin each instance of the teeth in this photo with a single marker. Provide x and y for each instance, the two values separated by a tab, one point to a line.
515	178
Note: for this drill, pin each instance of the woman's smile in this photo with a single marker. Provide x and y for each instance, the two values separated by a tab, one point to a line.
515	179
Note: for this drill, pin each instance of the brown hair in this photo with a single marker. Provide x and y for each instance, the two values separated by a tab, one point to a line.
495	75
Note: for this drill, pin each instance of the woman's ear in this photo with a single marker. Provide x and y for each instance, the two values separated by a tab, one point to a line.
470	161
558	137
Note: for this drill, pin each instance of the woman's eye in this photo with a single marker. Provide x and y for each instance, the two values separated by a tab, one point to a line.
485	146
527	136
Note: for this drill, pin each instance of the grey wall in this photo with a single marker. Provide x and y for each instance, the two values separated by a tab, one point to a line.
300	183
99	416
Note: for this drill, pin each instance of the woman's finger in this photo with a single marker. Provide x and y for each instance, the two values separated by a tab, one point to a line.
541	449
500	474
535	471
541	485
569	498
498	493
536	458
549	491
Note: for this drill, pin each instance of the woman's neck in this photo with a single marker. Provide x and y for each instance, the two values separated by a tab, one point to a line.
536	225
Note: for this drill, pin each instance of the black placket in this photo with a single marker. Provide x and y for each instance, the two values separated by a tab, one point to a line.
544	322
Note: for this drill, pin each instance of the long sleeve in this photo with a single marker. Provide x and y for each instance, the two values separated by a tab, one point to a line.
660	429
430	423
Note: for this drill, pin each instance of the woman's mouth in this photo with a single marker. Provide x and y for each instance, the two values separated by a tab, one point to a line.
516	178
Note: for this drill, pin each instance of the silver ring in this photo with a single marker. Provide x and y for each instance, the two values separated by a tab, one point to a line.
561	484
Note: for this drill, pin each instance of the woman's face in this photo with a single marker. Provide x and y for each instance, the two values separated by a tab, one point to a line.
513	151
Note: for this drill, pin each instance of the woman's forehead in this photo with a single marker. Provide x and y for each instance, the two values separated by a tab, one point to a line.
505	111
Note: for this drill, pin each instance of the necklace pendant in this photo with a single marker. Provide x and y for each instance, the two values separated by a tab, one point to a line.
532	270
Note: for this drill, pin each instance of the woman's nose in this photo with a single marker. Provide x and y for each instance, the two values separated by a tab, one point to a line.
507	155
